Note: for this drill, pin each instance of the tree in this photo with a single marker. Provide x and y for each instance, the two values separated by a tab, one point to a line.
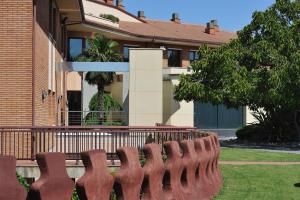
260	69
101	49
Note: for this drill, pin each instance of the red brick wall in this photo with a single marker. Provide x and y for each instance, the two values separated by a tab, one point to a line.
16	77
45	109
16	62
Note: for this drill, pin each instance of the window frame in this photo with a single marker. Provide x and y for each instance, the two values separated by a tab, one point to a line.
83	44
128	46
195	53
53	11
180	56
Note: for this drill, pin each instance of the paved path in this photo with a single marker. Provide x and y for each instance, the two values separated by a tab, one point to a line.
257	163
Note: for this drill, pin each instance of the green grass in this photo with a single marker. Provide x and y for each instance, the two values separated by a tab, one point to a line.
237	154
260	182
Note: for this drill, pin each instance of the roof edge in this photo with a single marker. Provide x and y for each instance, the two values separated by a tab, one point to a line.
115	7
81	10
152	38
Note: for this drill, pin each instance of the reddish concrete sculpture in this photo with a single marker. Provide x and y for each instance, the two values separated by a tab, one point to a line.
216	147
203	178
153	173
97	182
195	175
54	182
174	167
128	180
9	185
190	163
213	175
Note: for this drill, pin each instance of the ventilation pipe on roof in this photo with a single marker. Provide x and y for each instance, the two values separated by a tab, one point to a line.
120	4
212	27
175	18
109	2
141	14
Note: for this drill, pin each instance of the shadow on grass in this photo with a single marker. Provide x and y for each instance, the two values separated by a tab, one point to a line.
297	185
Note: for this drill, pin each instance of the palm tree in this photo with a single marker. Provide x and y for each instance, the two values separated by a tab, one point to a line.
101	49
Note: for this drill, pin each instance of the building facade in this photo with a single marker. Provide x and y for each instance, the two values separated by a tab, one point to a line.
38	35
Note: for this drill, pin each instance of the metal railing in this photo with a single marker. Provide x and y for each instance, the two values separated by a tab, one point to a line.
25	142
92	118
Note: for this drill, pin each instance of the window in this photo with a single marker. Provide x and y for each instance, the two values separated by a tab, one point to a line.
174	58
126	52
209	116
193	55
76	47
52	19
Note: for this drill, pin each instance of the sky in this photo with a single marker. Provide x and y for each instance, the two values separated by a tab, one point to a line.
232	15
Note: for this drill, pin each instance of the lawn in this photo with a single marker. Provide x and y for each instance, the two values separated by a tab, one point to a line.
236	154
260	182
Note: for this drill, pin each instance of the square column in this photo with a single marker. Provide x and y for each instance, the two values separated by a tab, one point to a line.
145	87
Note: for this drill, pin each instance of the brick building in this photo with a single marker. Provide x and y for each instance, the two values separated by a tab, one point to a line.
37	35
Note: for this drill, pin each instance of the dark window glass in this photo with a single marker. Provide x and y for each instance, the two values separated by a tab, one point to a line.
174	58
209	116
87	45
54	23
76	47
193	55
52	19
126	54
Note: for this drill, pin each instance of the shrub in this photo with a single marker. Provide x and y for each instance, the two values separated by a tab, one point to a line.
110	104
23	181
110	17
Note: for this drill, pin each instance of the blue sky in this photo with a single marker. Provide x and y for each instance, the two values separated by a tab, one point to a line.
232	15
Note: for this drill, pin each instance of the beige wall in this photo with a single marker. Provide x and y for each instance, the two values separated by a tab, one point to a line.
145	87
73	81
116	90
97	9
174	112
249	118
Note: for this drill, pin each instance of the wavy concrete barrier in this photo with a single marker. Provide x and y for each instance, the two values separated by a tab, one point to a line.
188	170
10	188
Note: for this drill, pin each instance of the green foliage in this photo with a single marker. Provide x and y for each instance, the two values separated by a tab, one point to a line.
23	181
116	123
75	195
101	49
110	17
110	104
259	69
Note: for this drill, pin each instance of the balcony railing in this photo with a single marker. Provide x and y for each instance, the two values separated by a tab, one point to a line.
92	118
25	142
